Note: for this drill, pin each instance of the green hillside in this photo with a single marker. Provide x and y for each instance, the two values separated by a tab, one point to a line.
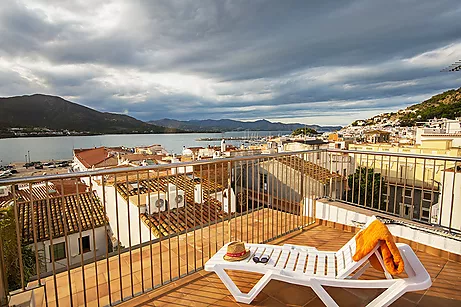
59	114
445	105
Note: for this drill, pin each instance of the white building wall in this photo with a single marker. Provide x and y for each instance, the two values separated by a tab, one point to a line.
72	249
454	138
135	229
329	212
225	200
450	201
182	170
78	166
342	164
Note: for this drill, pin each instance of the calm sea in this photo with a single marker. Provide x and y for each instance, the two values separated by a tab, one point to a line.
58	148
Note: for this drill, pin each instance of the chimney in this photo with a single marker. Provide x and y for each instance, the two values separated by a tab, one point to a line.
223	145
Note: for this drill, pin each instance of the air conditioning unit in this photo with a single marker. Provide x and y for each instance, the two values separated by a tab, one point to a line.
4	191
171	188
158	203
176	199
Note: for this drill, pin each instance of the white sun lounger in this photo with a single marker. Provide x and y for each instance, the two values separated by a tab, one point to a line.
306	266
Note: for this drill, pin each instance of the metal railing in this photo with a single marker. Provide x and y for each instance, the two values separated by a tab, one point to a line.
422	188
102	237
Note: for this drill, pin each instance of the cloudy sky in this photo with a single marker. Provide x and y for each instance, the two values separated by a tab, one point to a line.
324	62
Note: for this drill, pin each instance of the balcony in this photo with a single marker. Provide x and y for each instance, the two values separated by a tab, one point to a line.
140	236
206	289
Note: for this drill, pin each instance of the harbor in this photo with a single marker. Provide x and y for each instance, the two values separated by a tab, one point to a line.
232	138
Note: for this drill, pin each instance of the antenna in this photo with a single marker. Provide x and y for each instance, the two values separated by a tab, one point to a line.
453	67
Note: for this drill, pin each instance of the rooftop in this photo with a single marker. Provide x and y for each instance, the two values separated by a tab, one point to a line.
310	169
206	289
97	157
85	208
39	191
201	288
184	218
168	270
184	182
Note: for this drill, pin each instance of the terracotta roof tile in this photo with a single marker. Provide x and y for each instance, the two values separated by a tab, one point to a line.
39	191
95	157
91	211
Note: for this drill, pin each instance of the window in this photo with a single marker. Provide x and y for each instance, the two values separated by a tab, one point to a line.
85	244
427	196
59	251
263	182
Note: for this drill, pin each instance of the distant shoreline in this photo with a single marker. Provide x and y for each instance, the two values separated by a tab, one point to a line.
137	133
94	134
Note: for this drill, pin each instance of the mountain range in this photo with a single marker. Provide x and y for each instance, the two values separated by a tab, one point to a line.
219	125
56	113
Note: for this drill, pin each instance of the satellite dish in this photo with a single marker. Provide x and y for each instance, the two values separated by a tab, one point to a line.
160	203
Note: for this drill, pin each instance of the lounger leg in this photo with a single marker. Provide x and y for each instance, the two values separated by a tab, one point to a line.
389	296
323	295
381	261
240	297
361	271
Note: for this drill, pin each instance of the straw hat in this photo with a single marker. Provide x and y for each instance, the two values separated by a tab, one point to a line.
236	251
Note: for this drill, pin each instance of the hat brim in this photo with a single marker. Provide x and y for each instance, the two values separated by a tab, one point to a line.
244	256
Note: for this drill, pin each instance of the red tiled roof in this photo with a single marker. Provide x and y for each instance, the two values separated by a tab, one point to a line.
99	156
91	215
69	186
89	205
39	191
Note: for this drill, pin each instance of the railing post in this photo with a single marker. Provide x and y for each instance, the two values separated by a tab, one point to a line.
229	201
303	198
3	280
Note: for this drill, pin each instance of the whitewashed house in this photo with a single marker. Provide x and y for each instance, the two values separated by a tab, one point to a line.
140	211
69	213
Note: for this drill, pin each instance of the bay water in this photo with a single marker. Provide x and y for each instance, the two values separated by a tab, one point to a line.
60	148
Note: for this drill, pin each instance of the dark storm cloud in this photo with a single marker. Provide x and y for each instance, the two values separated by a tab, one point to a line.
238	59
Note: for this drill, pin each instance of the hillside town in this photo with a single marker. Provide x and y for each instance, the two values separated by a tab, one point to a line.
441	137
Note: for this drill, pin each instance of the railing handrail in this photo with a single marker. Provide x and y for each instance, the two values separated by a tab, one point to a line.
397	154
158	167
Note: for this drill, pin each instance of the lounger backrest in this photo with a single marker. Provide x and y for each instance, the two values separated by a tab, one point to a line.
344	262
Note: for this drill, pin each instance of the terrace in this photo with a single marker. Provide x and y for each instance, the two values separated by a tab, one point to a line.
317	198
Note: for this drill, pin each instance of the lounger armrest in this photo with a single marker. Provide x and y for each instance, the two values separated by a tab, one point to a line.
415	270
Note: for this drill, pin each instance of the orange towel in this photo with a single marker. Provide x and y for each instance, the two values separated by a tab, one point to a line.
367	239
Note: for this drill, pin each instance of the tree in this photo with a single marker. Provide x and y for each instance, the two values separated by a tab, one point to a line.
10	251
366	183
305	131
